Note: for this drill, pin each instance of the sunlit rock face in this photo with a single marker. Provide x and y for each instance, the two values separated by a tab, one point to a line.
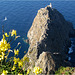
49	33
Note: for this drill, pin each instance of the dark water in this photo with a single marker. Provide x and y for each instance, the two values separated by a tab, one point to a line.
20	15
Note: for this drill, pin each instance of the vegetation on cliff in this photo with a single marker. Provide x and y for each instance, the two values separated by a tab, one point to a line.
13	64
65	71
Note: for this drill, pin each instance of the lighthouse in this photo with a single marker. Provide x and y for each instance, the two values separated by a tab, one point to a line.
50	5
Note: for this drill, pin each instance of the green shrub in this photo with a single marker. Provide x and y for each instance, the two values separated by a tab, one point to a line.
65	70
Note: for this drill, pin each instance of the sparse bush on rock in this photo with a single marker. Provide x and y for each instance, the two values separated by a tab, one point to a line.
65	71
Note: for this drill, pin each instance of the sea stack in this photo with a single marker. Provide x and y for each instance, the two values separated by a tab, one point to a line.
49	40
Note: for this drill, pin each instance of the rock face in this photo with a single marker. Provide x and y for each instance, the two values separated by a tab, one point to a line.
46	62
49	33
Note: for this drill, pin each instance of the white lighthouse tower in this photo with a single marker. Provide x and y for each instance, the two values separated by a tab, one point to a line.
50	5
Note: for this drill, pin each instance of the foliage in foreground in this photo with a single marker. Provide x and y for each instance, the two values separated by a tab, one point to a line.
65	71
12	65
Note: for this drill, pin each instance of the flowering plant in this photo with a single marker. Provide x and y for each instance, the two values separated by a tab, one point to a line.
12	65
37	70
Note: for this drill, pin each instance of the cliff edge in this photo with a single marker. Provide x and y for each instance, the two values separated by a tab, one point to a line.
49	40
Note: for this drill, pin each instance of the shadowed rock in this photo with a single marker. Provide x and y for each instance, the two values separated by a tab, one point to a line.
49	33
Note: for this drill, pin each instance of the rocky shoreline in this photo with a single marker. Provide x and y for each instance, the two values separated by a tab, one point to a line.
49	39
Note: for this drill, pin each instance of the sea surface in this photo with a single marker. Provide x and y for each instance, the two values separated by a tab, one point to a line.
20	16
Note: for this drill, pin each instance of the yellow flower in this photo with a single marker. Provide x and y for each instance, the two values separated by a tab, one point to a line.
6	57
0	59
37	70
3	53
4	45
2	56
26	59
20	74
7	46
6	35
28	71
16	60
16	51
13	33
4	72
3	42
3	37
20	64
13	67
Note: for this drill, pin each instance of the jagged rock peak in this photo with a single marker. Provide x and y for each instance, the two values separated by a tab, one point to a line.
49	33
49	27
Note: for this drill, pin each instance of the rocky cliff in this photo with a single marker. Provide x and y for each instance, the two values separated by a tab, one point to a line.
49	40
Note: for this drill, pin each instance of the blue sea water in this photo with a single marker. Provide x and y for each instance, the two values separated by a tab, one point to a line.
20	15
